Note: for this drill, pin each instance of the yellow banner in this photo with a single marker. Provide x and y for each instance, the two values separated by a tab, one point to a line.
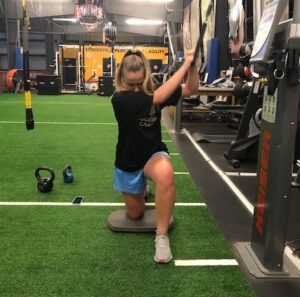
150	52
97	62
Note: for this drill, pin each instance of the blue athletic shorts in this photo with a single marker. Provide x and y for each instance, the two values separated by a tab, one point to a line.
132	182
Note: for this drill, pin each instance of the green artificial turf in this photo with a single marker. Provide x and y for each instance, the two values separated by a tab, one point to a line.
88	147
69	251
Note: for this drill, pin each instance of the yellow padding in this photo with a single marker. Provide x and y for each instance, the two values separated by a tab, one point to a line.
27	99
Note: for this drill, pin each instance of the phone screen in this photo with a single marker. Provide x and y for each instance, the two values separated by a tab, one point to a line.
78	200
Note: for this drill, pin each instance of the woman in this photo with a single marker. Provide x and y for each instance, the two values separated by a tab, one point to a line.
140	152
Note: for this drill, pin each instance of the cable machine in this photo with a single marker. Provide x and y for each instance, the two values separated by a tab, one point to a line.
275	57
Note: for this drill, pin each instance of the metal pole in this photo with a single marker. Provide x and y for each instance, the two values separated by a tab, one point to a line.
79	69
171	44
257	11
18	33
7	36
296	16
178	116
56	72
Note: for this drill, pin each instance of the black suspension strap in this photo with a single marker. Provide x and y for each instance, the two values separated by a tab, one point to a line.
27	93
199	46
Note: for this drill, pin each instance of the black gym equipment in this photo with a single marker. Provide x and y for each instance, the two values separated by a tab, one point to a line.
236	116
242	71
275	56
45	184
245	144
245	53
48	84
69	71
119	221
242	90
106	86
68	174
108	66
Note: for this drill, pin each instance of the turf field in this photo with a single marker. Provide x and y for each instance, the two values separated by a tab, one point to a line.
58	249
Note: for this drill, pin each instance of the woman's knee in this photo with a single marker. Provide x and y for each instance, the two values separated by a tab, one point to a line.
165	173
135	213
159	169
164	178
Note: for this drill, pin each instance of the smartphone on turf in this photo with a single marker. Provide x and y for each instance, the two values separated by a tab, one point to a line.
78	200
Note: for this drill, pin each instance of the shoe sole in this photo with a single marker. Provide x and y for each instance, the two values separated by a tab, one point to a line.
162	261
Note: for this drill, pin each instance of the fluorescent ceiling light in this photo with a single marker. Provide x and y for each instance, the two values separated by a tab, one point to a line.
151	1
66	1
138	22
72	20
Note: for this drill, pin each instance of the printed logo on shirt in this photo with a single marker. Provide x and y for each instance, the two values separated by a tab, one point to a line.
149	121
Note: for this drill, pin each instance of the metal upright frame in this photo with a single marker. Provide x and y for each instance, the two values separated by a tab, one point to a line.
277	59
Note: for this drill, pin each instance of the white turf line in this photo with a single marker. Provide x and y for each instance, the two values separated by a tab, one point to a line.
247	174
58	123
101	204
206	262
224	175
229	173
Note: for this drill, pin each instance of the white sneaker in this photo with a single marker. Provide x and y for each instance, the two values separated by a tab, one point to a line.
162	249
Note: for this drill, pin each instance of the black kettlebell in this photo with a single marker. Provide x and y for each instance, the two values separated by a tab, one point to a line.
68	175
45	184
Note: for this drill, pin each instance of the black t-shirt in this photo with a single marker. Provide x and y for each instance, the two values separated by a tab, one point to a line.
139	127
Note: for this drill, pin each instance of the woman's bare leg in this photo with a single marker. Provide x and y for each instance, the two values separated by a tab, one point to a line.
135	205
160	170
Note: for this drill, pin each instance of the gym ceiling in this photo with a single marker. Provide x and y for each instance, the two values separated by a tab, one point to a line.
116	11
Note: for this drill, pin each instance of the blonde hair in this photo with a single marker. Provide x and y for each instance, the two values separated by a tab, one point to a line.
133	61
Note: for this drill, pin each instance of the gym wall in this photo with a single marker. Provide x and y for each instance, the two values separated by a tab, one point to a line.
152	53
